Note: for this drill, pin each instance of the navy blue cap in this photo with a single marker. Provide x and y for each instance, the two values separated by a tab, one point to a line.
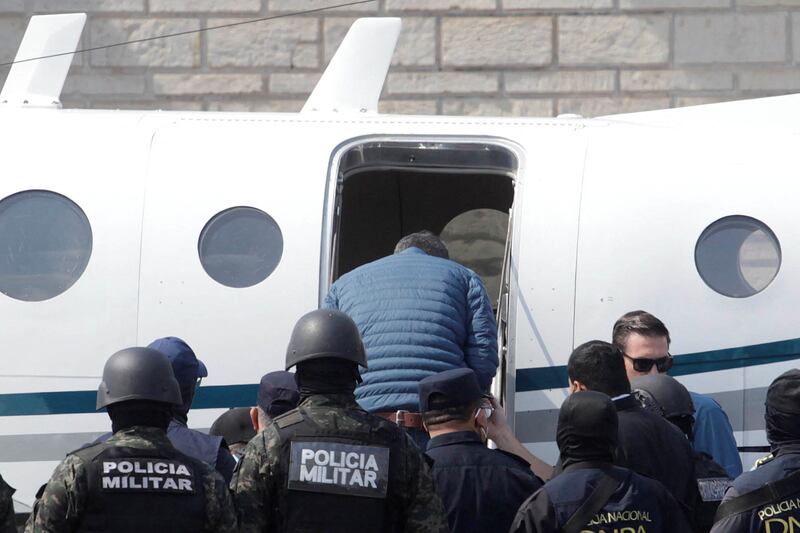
458	387
278	393
185	364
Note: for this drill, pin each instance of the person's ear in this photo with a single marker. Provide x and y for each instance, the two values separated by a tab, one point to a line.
254	417
576	386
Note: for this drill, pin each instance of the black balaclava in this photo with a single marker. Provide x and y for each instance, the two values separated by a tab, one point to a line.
783	409
139	413
181	412
328	375
587	428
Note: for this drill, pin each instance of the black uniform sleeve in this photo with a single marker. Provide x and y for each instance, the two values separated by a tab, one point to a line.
675	515
225	463
536	515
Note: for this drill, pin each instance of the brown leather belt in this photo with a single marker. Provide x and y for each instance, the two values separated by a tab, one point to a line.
404	419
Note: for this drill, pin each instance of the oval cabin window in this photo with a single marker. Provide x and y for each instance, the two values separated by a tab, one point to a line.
738	256
240	247
45	245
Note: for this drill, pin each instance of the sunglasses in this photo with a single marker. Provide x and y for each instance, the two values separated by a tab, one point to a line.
642	364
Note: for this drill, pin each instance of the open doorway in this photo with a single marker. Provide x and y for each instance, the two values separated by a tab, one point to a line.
462	191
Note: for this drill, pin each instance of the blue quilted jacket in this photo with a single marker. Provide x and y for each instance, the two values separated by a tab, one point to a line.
418	315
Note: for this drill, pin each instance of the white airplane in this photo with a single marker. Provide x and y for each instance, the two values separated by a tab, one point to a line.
118	227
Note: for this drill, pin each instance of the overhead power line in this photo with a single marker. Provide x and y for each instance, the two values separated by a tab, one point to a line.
189	32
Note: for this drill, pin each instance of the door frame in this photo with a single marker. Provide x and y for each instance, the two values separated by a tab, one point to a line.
330	237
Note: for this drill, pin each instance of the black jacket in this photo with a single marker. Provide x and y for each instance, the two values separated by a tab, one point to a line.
481	488
781	515
653	447
638	504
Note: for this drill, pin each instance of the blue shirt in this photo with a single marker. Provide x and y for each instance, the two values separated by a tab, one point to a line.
713	434
481	488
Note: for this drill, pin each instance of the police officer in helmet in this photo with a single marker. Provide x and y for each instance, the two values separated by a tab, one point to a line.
328	465
591	495
188	370
767	499
665	396
136	480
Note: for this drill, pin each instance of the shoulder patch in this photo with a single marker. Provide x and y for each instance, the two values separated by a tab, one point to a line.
764	460
88	452
289	419
712	489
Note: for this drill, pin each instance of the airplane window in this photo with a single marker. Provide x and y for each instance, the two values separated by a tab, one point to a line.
45	245
240	247
477	240
738	256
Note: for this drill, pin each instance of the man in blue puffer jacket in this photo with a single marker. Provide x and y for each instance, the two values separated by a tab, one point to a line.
418	313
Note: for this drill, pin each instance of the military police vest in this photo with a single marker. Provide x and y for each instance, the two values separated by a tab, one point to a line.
139	490
339	481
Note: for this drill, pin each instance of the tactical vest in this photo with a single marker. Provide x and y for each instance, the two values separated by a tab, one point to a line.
339	481
135	490
194	443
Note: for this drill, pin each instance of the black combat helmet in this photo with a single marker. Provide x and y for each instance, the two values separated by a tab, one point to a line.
325	333
138	374
670	397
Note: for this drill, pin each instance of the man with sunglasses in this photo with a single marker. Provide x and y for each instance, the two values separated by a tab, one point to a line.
644	341
593	494
648	444
481	488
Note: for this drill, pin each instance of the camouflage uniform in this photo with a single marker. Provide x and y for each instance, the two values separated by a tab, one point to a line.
257	488
7	523
63	503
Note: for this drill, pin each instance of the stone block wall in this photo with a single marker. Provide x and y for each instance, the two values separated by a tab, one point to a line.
466	57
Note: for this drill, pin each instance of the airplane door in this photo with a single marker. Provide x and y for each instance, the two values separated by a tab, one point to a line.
542	179
231	237
383	188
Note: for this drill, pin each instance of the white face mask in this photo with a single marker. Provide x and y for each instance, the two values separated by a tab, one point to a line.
487	413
